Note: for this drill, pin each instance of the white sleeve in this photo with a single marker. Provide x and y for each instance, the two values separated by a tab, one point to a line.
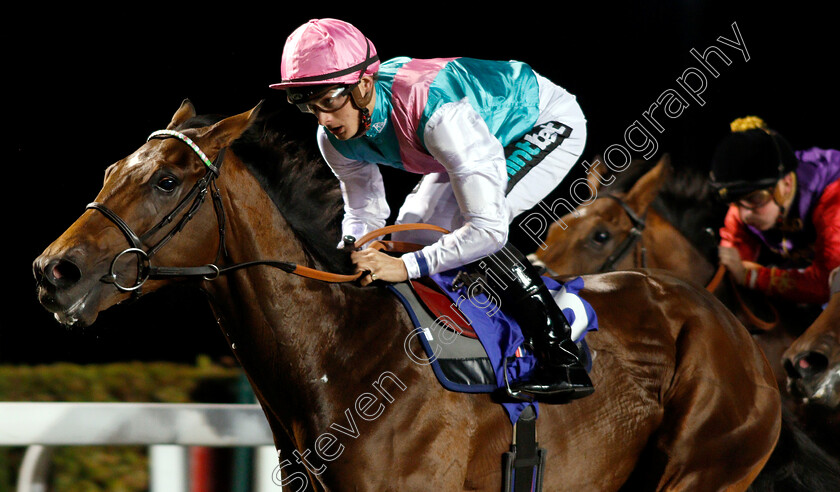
458	138
365	204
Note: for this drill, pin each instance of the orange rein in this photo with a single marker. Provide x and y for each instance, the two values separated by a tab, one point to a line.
753	319
715	282
403	247
394	246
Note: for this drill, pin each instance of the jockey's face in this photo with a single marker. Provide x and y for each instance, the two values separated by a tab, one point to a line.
763	217
345	121
766	215
342	123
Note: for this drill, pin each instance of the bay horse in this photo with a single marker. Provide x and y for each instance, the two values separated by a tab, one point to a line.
634	226
813	366
665	217
682	400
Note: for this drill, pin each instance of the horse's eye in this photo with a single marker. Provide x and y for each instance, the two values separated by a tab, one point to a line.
167	184
600	237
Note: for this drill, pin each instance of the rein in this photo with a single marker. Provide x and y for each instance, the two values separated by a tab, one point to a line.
194	199
211	271
751	316
635	236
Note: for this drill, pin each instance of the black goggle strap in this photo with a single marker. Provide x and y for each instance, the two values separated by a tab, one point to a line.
738	189
300	95
359	67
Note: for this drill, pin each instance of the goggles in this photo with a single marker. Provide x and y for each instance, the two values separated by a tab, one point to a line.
328	100
755	200
734	191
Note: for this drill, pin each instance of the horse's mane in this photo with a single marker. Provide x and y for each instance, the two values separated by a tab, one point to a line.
685	200
301	186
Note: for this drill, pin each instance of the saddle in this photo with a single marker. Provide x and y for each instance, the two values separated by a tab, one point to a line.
450	344
473	347
471	344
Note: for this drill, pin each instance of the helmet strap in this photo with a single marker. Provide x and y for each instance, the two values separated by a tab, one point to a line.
782	200
360	102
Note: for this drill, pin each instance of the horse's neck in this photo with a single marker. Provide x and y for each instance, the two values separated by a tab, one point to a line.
291	334
668	249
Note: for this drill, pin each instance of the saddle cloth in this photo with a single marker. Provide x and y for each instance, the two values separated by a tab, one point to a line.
467	339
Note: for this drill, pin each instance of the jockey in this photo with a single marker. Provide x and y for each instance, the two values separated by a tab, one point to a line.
448	120
785	211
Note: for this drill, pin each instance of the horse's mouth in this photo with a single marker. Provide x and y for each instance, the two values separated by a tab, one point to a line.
71	313
822	389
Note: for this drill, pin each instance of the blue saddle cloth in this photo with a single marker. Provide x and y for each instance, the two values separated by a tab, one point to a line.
499	335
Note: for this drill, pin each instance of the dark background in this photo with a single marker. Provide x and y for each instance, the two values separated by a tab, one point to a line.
86	88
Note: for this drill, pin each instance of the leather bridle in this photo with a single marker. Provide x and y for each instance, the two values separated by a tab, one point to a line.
633	237
194	199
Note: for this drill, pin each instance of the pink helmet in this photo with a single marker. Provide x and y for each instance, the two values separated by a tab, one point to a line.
326	51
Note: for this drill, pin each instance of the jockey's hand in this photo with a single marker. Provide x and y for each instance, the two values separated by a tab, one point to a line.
379	266
731	259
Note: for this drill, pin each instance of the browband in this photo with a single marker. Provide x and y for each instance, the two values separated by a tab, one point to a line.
172	133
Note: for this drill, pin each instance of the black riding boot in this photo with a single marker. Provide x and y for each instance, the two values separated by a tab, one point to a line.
559	375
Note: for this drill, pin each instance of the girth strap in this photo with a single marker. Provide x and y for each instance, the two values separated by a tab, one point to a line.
523	465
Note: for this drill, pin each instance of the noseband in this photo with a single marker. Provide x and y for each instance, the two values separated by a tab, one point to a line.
194	199
634	236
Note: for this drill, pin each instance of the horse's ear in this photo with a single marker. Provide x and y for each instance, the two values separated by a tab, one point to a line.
647	187
226	131
184	113
592	178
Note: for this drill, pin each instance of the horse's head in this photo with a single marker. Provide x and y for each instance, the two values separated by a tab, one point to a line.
147	197
812	362
599	236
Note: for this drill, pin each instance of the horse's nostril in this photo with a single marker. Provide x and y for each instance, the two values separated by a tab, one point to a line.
806	364
62	273
790	369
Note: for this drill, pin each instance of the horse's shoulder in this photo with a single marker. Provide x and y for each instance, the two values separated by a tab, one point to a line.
657	293
617	282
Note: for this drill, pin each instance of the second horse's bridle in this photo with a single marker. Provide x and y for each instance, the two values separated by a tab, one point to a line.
626	246
635	236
